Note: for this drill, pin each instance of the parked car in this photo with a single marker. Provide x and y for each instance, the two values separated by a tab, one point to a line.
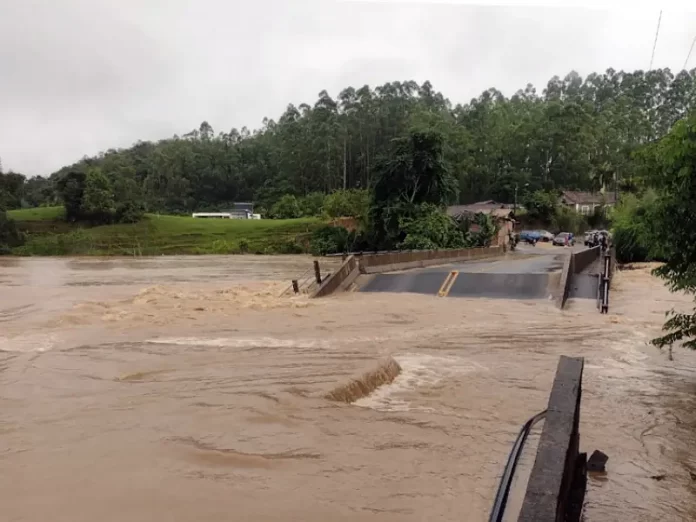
529	236
564	238
545	235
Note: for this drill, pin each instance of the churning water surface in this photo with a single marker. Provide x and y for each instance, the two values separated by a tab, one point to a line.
186	388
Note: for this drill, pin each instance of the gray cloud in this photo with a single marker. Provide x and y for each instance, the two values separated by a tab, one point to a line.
80	76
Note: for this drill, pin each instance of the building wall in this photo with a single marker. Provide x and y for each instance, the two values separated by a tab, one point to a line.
506	227
587	209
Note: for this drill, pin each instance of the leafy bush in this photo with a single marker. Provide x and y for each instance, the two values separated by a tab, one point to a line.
567	220
9	235
428	228
312	205
243	246
488	230
330	240
631	229
287	207
347	203
541	206
417	242
129	212
90	196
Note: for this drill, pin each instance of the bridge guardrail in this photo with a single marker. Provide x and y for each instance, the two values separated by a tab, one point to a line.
605	281
558	481
501	497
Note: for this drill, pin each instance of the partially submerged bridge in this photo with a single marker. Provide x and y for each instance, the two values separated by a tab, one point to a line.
533	273
513	277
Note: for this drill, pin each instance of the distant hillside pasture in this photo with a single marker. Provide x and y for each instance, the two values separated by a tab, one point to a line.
161	234
37	214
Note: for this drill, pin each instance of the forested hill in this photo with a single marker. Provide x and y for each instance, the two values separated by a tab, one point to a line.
577	133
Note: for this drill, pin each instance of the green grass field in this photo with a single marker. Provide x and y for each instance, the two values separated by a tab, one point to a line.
38	214
48	234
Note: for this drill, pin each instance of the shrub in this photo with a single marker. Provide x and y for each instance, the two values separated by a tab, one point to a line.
287	207
417	242
330	240
347	203
429	227
129	212
567	220
541	206
631	229
9	235
312	205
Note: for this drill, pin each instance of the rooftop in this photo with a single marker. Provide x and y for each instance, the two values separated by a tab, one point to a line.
489	207
588	198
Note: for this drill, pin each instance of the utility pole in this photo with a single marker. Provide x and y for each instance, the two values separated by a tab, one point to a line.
516	187
345	163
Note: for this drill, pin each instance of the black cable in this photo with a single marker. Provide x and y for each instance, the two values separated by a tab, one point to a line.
503	492
690	51
657	33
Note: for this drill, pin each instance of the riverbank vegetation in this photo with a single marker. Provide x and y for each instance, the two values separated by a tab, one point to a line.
661	223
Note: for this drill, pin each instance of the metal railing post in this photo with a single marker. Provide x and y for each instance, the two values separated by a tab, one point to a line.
317	272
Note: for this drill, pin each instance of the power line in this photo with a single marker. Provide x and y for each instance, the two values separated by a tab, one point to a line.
657	33
690	51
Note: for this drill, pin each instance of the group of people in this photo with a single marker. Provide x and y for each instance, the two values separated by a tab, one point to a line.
599	239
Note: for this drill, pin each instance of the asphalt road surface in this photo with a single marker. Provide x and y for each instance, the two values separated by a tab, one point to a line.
517	276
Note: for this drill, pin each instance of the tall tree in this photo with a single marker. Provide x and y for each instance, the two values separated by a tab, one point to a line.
674	222
576	133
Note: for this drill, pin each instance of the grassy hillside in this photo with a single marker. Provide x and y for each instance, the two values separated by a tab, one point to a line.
48	234
38	214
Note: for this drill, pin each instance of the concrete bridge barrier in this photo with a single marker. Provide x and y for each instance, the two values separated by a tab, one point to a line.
575	263
558	480
340	279
393	261
556	487
585	258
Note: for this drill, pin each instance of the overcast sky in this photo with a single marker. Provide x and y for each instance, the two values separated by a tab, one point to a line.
80	76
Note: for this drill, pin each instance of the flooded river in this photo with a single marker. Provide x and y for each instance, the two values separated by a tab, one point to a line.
185	388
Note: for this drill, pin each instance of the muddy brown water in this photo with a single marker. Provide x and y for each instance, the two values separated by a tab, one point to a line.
184	388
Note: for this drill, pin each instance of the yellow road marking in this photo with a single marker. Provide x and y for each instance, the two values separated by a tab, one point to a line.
444	284
448	283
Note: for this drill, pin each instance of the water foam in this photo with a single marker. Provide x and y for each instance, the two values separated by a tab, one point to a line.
417	371
230	342
27	343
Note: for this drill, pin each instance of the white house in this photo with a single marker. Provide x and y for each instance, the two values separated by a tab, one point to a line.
586	202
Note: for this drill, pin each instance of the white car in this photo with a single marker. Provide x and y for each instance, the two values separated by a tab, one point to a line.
545	235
